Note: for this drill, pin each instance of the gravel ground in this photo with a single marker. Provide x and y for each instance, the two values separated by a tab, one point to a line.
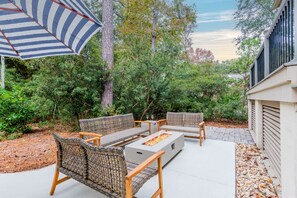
252	176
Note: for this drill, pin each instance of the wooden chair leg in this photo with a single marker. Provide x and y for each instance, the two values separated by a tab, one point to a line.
55	181
129	192
159	192
200	136
160	177
204	133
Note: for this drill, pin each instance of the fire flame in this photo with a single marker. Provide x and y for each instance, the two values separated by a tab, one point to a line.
156	139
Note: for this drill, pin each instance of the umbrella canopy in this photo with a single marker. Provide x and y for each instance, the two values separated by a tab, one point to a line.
39	28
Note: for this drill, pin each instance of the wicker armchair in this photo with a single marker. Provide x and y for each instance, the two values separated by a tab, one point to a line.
184	122
103	168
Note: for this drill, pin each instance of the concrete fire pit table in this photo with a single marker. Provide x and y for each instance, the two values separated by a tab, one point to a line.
140	150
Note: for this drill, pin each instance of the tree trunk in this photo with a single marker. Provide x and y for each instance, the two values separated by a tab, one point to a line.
107	50
155	21
2	72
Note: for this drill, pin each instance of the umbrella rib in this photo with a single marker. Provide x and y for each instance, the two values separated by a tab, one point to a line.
9	9
8	41
73	10
41	26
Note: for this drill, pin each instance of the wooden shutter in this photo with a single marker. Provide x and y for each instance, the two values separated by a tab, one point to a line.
271	137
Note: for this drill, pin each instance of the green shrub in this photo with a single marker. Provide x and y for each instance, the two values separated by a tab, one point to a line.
67	88
230	111
15	111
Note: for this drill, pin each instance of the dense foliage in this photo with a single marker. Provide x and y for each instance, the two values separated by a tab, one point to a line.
16	111
149	79
68	88
253	17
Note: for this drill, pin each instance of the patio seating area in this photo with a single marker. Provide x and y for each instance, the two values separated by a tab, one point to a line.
98	163
155	63
209	172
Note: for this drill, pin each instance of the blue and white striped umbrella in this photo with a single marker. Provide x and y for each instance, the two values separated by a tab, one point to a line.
40	28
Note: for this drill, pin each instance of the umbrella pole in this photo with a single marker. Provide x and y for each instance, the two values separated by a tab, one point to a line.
2	72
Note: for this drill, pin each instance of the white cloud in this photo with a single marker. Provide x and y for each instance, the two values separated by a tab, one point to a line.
210	17
220	42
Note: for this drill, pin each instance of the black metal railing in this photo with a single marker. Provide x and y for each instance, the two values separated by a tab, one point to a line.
281	42
261	66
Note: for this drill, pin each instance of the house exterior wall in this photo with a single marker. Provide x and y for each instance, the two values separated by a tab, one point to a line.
289	149
258	124
279	90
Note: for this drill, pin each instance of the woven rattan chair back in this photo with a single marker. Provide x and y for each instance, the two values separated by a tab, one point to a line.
174	119
108	124
127	121
94	125
70	155
184	119
106	169
192	119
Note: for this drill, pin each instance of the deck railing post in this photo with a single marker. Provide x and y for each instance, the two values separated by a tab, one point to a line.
266	56
256	72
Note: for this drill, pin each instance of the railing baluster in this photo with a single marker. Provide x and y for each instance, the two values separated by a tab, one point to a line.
290	26
292	30
287	34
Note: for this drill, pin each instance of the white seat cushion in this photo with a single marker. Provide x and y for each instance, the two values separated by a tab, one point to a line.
180	129
116	137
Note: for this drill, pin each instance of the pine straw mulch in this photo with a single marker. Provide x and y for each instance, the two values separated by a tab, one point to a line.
226	124
32	151
252	179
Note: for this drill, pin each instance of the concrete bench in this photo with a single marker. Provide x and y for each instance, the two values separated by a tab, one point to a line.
184	122
114	129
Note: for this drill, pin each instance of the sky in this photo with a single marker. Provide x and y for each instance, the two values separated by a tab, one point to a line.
215	29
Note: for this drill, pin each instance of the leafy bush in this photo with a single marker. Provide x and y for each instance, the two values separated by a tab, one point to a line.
200	88
16	111
67	88
231	105
142	79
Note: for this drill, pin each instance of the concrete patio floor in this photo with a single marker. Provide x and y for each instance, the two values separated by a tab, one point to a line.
204	172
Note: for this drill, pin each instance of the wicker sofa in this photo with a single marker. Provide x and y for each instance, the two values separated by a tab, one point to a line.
114	129
184	122
103	168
